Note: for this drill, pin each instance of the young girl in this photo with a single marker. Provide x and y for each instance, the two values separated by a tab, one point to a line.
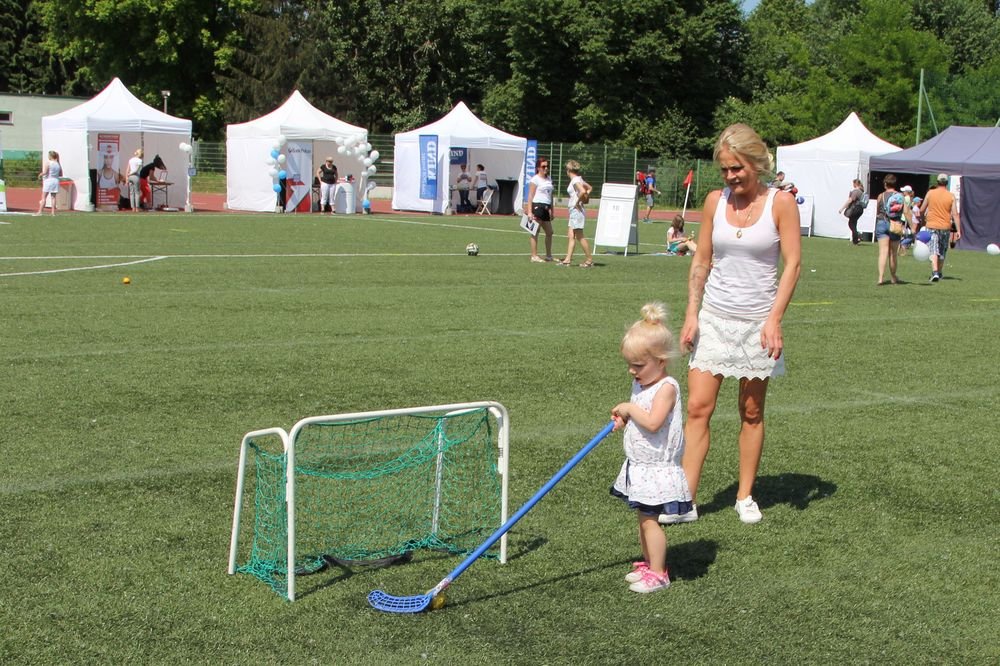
677	242
651	480
579	193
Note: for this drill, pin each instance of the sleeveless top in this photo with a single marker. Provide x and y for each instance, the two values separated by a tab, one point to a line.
743	281
652	472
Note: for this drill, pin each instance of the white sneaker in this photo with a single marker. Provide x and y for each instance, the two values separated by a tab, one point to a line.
677	518
651	582
748	510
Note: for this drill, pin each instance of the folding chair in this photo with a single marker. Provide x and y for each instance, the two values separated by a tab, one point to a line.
484	203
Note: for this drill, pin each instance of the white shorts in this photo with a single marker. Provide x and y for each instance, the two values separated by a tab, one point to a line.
731	348
577	218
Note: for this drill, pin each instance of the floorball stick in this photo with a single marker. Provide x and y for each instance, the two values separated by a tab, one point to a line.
388	603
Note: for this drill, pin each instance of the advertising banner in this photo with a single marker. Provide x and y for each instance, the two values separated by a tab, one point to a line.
530	155
109	177
428	166
298	176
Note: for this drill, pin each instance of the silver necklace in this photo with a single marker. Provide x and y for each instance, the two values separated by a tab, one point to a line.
746	217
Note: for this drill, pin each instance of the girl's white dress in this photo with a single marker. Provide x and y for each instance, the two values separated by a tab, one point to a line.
651	475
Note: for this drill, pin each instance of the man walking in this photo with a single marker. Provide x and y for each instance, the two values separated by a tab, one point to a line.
938	213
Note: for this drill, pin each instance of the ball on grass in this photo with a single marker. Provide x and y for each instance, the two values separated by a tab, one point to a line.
993	249
472	249
438	602
126	280
921	252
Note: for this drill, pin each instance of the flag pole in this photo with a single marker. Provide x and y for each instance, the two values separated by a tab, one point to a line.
687	192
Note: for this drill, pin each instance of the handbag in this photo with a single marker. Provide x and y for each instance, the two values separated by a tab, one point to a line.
896	227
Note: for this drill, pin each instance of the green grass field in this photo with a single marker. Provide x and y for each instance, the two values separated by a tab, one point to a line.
124	407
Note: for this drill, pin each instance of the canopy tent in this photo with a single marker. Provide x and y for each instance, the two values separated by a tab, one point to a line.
425	184
824	167
116	122
309	132
972	153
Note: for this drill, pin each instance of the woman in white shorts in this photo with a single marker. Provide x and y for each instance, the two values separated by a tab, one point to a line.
735	305
579	193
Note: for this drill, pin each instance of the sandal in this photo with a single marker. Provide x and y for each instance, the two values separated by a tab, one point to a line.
587	264
537	260
564	263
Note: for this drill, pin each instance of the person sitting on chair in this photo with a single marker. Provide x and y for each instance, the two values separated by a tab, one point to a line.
482	182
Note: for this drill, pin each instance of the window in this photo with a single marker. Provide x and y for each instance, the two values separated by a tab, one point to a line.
6	117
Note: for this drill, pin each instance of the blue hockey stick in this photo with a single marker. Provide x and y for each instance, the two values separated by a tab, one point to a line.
379	600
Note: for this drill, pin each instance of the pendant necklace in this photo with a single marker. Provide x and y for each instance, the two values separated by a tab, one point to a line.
749	210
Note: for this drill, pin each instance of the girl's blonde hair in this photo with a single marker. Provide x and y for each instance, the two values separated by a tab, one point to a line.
573	167
649	336
745	143
678	222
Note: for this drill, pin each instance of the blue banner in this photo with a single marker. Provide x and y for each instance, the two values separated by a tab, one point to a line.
428	166
459	155
530	155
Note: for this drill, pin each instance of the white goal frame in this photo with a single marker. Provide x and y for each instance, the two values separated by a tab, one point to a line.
288	439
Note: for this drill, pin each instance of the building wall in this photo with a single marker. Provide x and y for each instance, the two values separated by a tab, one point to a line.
21	119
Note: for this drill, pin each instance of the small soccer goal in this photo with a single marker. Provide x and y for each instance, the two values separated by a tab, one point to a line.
369	487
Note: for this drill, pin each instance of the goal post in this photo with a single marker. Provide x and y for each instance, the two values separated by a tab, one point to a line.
370	486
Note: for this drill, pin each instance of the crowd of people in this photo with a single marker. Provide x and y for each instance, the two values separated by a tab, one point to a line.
903	219
132	189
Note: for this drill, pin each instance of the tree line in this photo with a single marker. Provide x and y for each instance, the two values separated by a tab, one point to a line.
659	75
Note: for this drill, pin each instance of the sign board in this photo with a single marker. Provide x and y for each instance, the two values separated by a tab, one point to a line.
617	217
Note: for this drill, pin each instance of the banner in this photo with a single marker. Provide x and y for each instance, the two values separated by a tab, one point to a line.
687	179
459	156
428	166
298	176
530	155
109	178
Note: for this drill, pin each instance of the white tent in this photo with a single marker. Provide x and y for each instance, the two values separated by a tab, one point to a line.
424	185
116	117
309	132
824	168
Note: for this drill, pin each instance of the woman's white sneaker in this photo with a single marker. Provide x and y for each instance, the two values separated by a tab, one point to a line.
748	510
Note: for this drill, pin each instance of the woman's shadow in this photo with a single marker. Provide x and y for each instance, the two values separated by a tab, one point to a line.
795	490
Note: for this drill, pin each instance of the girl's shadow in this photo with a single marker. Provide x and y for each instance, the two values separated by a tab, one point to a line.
795	490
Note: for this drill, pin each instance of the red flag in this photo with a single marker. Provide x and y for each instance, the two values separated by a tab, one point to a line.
687	179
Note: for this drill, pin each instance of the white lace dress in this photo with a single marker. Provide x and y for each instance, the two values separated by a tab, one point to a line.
651	478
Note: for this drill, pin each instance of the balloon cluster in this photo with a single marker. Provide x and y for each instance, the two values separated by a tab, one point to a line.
357	146
276	163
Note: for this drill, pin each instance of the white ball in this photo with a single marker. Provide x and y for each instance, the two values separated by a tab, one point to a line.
921	251
472	249
281	159
993	249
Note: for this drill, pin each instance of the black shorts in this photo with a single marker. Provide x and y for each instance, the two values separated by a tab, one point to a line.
541	212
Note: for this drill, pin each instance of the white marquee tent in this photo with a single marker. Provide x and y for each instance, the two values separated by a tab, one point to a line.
502	154
824	168
117	117
309	133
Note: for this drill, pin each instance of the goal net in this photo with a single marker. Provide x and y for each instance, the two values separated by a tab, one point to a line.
369	487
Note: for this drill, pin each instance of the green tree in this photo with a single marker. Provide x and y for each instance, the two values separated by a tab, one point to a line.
150	46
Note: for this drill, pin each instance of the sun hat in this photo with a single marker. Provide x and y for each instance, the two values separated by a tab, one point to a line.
906	188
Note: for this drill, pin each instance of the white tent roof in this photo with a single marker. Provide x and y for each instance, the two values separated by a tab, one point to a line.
850	137
823	169
463	128
116	109
295	119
